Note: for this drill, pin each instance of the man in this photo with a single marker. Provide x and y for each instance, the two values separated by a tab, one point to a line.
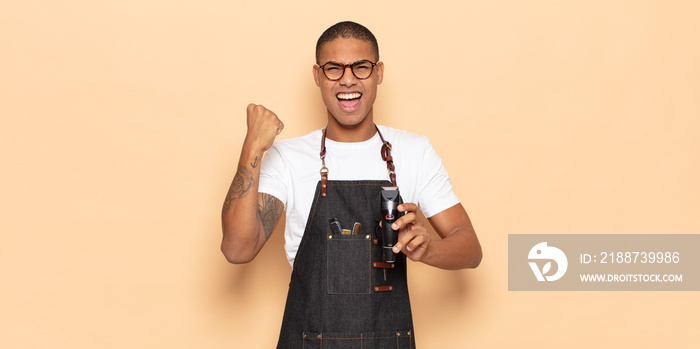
341	289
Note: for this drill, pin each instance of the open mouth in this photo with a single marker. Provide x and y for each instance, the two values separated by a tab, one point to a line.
348	96
349	100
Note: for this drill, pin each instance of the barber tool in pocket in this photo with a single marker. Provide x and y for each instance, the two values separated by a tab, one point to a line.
337	229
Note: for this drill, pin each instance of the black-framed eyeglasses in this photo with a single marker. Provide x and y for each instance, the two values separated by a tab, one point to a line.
361	69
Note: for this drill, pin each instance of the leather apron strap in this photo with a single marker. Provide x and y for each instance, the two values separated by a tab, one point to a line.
386	156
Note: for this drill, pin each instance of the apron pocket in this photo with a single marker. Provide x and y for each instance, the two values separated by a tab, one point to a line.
365	340
348	264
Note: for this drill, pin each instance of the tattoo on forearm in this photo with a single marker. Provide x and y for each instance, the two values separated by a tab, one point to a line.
254	164
269	212
242	183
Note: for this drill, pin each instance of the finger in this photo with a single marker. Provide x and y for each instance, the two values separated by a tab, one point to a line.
417	241
406	221
404	240
256	108
415	248
408	206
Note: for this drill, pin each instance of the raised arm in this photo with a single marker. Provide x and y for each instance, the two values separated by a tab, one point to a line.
248	217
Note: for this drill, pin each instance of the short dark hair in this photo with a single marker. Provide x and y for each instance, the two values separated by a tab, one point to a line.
346	30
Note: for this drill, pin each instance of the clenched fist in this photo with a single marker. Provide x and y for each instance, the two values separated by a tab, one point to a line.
263	127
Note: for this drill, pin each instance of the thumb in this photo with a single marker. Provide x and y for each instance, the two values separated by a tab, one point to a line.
280	127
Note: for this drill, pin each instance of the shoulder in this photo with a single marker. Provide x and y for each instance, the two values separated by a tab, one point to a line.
404	141
293	155
311	140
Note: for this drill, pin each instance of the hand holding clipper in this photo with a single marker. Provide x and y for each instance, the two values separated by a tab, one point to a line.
389	205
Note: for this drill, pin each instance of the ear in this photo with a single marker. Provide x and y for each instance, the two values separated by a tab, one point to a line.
380	72
317	75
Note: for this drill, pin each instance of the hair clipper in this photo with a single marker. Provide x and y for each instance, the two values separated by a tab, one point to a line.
390	213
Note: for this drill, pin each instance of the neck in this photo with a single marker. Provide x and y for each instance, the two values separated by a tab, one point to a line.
359	132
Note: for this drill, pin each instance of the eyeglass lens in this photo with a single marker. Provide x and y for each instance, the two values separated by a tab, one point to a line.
335	71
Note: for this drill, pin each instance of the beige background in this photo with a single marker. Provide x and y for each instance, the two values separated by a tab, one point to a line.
122	122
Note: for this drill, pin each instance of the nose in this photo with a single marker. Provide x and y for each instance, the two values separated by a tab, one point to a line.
348	78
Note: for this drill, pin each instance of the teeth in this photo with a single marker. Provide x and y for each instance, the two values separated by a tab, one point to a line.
349	95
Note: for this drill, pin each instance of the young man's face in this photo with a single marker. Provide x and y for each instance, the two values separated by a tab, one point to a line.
349	100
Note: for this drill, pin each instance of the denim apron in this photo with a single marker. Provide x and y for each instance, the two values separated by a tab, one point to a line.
338	297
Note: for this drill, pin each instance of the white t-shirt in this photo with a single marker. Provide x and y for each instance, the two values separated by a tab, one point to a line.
291	168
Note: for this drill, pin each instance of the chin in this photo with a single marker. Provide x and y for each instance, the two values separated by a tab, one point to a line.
349	120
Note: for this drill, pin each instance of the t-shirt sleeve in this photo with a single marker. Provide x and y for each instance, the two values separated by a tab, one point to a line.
436	194
272	175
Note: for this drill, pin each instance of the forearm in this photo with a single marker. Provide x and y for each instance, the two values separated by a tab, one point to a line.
240	218
458	250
